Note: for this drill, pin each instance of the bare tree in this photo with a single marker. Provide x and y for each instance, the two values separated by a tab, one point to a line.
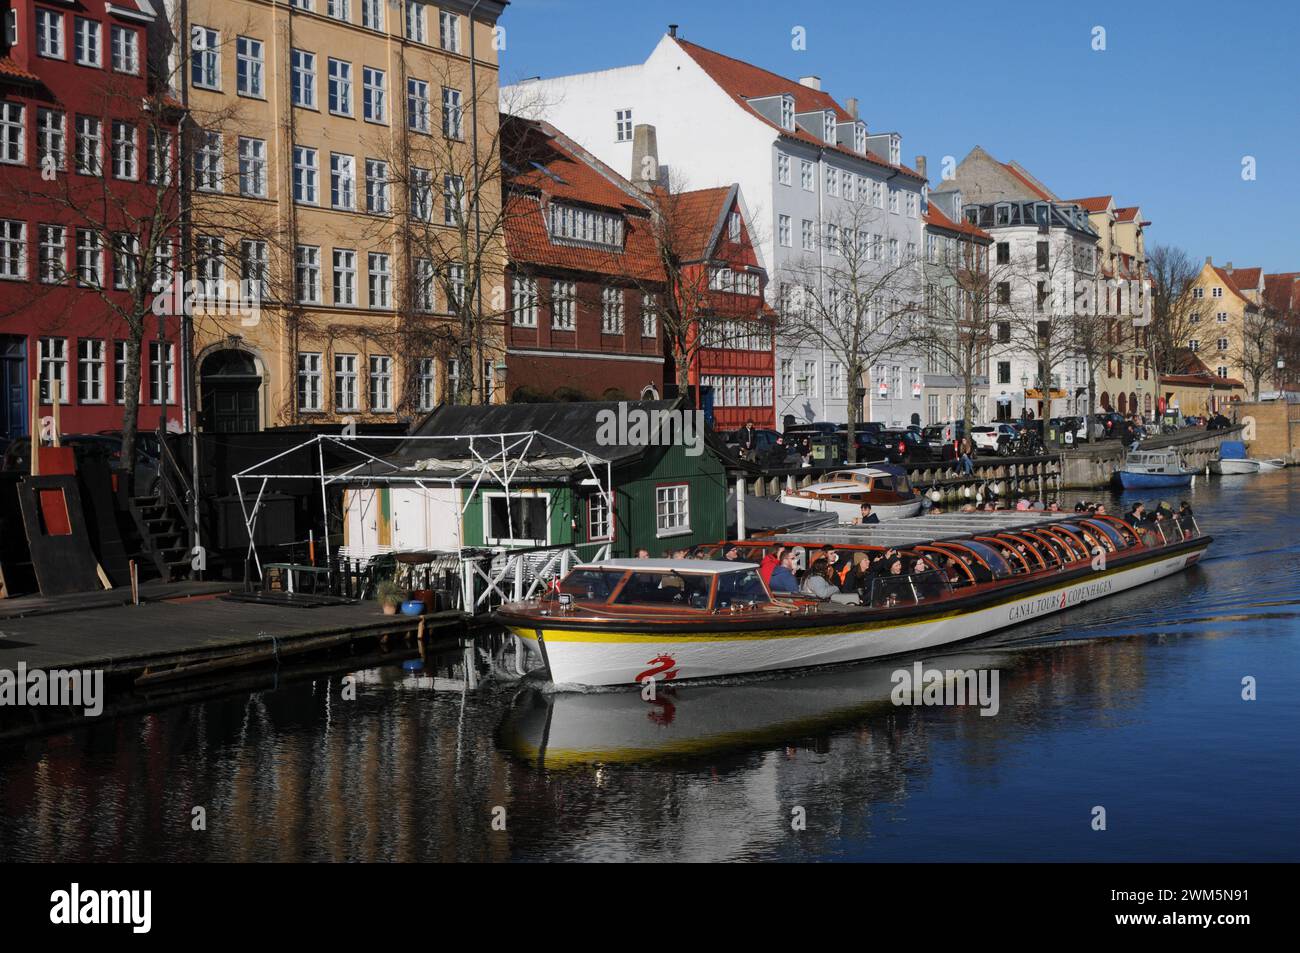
1256	350
1174	312
855	297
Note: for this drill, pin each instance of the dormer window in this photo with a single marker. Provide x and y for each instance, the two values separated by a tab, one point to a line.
895	150
787	112
586	225
860	138
830	126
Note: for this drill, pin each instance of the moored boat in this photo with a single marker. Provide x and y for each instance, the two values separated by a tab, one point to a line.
1233	460
842	492
628	621
1275	463
1148	469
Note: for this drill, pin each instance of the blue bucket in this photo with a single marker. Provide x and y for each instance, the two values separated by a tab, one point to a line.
412	607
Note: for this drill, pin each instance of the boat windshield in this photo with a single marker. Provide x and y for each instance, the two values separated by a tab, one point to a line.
591	585
888	591
671	588
741	587
987	553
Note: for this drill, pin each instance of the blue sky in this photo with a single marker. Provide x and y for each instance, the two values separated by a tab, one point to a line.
1162	118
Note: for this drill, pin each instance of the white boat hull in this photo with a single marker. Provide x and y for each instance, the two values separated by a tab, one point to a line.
579	659
1276	463
1234	467
847	511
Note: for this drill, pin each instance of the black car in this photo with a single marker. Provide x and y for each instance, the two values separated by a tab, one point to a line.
907	446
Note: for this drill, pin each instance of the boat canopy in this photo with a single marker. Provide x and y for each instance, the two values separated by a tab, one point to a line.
666	583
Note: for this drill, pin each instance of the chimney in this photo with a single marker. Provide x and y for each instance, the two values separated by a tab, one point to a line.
1228	267
920	166
672	29
1209	260
853	106
812	82
645	157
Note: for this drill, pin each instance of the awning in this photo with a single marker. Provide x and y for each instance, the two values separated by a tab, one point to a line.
1033	393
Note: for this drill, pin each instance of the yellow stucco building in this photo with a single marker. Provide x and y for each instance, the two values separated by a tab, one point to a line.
1229	330
345	174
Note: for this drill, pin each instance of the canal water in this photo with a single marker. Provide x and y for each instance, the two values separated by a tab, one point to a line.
1132	705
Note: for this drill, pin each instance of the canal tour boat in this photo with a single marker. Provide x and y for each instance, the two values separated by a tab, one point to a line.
1148	469
628	621
843	492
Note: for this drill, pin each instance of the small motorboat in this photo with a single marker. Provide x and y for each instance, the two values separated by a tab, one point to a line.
1233	460
633	621
842	492
1147	469
1276	463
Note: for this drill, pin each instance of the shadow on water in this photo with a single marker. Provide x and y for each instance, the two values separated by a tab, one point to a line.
1133	704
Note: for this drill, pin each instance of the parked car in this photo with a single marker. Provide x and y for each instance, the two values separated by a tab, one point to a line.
948	432
993	438
907	446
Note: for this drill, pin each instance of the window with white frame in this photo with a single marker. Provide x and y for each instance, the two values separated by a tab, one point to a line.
847	183
672	510
13	249
1223	344
305	173
254	270
783	230
53	253
162	372
564	296
53	353
90	258
806	178
424	285
380	278
893	200
126	50
416	21
49	33
209	265
381	383
158	157
1198	292
307	273
453	200
374	95
860	138
90	146
787	112
782	168
339	9
345	277
126	161
302	83
252	167
208	162
343	181
126	260
376	186
421	194
787	377
90	371
600	521
523	291
808	235
455	286
51	141
1221	370
426	384
119	372
808	383
340	87
585	225
1221	317
345	382
372	15
417	105
611	311
623	125
649	316
452	124
205	58
310	383
13	133
249	66
832	181
449	31
88	48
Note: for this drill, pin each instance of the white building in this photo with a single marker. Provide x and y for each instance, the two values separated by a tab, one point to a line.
795	153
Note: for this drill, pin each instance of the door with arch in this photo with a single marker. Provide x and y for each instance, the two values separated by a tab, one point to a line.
231	392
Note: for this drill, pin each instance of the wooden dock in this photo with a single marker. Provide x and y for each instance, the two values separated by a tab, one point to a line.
201	634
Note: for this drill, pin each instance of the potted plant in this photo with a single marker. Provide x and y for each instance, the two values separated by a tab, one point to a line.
389	595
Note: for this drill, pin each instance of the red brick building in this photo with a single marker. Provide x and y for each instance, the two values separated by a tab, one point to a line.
733	361
583	274
84	161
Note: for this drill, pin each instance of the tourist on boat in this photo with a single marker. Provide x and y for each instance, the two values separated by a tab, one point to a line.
867	516
643	553
771	559
859	576
782	579
817	582
1138	513
732	554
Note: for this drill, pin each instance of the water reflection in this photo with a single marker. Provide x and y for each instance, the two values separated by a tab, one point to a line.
1132	702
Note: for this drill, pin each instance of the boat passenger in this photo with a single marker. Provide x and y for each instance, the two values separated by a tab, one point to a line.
818	583
732	554
643	553
859	576
782	579
867	516
771	559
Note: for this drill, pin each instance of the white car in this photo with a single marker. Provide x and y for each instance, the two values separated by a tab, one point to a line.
993	438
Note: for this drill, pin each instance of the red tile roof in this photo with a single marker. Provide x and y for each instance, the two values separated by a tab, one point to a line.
1282	291
1127	214
744	81
1098	203
1246	277
932	216
546	165
696	216
11	70
1230	284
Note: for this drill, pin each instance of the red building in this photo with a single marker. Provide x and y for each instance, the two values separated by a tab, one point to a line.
732	359
86	159
583	274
